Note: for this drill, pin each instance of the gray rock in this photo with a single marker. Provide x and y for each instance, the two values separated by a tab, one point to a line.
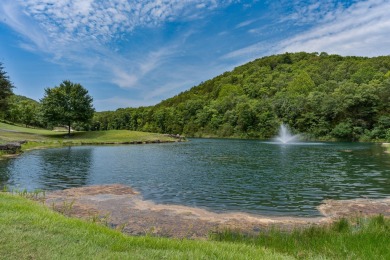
11	147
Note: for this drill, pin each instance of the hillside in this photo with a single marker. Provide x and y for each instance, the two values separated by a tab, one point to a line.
324	96
24	110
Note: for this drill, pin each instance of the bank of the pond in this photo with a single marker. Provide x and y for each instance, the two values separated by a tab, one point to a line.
32	230
122	206
30	138
387	146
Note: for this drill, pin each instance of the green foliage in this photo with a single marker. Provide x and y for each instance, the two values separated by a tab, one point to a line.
5	91
324	96
66	104
24	110
301	84
343	131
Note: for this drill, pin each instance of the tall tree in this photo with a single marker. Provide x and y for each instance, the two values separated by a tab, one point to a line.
66	104
28	112
5	90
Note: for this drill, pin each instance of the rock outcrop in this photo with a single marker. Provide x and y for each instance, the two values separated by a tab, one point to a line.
12	148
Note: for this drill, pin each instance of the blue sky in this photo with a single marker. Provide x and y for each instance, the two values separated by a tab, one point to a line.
131	53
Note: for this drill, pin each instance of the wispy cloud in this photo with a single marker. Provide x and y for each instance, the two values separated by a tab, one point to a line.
361	29
14	17
245	23
312	11
82	31
128	75
113	103
248	52
168	88
103	20
123	78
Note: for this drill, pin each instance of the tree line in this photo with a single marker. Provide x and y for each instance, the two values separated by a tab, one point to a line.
324	96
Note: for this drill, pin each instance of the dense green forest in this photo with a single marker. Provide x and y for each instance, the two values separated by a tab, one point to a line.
324	96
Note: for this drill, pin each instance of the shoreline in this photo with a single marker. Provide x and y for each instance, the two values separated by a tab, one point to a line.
121	207
69	144
16	139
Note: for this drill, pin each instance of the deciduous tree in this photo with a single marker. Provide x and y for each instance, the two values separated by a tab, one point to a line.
66	104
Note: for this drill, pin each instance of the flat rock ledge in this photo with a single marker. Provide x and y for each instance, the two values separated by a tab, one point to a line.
354	208
13	147
121	207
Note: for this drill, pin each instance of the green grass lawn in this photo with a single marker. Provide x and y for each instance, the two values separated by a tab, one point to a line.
29	230
41	138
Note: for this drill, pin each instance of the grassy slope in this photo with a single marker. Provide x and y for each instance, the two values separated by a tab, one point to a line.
47	138
32	231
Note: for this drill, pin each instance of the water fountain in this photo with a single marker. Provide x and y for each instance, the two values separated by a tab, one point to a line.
285	136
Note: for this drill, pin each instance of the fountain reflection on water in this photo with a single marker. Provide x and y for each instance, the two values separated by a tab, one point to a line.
285	136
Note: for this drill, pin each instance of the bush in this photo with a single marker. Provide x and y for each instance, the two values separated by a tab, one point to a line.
343	131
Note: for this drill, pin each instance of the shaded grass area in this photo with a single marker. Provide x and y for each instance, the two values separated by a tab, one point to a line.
20	129
30	230
40	138
359	238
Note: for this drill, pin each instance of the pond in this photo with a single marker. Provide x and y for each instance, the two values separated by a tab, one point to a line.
220	175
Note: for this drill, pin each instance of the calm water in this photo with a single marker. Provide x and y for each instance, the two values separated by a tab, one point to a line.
220	175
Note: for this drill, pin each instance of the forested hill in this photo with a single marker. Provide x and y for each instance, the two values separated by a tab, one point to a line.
324	96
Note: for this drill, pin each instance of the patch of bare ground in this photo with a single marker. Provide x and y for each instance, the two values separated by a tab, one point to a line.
123	208
355	207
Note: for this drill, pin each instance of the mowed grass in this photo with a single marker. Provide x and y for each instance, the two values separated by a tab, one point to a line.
29	230
9	133
45	138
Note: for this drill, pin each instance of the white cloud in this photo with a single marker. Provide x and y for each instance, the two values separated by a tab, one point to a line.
312	11
362	29
245	23
83	7
14	17
104	20
201	5
124	79
128	76
248	52
168	88
83	31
